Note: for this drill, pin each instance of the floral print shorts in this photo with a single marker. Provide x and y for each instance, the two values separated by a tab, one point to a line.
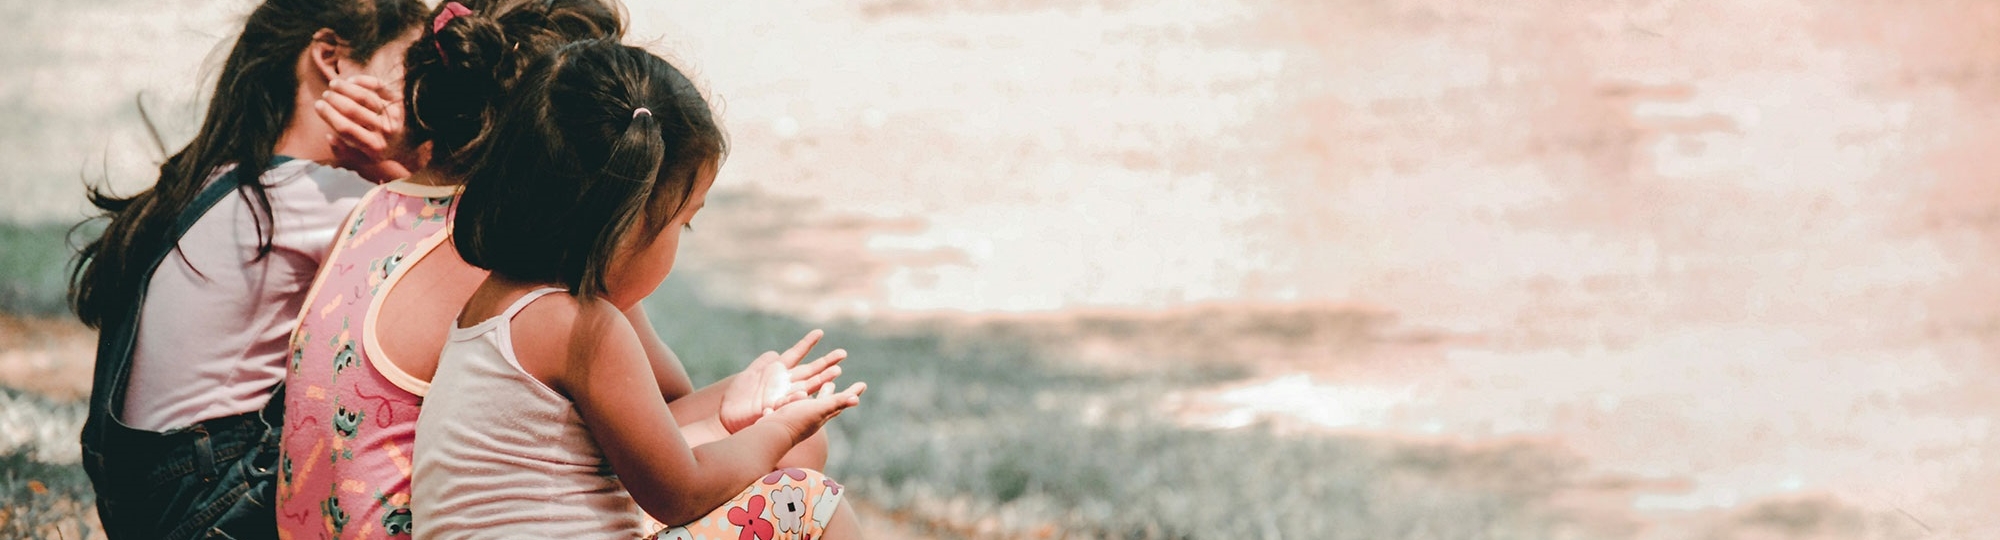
788	504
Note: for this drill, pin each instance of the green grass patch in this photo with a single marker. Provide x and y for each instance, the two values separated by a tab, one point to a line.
34	258
995	437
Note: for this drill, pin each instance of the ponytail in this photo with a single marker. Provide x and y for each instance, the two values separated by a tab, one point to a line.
470	56
633	165
601	142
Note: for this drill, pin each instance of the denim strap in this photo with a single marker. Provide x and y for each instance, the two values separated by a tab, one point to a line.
115	339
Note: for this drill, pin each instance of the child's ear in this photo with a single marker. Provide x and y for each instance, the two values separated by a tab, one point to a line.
324	54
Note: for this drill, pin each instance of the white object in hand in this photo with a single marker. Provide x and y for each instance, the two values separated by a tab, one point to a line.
778	383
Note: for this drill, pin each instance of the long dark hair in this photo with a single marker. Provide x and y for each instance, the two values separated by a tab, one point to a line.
456	75
574	167
248	112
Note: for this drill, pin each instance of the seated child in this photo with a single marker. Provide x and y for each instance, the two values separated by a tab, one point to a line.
544	418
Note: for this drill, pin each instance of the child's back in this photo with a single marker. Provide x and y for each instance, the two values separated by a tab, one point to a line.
603	157
524	464
350	422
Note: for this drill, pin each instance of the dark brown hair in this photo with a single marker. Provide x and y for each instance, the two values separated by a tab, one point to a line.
574	166
248	112
456	75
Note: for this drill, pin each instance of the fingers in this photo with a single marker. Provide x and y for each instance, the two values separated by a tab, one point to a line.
844	399
817	381
787	399
852	395
367	92
361	138
798	351
371	92
758	362
358	111
384	98
810	369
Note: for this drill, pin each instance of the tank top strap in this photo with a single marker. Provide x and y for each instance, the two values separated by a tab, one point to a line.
527	298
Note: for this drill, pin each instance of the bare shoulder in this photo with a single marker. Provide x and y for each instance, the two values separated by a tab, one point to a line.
556	331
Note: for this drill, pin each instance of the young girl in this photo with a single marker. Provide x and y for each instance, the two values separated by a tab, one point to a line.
350	419
370	333
193	290
545	419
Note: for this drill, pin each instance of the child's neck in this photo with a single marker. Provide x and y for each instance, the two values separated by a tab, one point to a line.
305	136
493	296
432	177
504	283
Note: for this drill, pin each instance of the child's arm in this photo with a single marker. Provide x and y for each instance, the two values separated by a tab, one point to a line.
699	412
603	369
737	401
667	369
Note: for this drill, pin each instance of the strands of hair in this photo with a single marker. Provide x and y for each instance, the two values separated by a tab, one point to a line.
458	72
571	171
248	111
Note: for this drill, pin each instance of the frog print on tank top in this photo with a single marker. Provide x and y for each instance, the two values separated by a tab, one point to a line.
350	414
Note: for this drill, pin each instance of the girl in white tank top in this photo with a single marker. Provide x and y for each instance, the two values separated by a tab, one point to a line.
544	419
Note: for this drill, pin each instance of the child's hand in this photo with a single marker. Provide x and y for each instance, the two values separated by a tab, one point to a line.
775	379
805	416
367	120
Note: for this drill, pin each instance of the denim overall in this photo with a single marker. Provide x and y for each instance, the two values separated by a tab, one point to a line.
213	479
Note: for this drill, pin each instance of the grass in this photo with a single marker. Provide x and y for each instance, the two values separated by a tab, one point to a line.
40	497
992	435
33	261
997	438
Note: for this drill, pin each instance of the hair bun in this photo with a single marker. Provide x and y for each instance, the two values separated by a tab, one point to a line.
453	85
471	41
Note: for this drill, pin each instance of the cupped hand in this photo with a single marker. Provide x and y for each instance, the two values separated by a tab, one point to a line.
775	379
807	415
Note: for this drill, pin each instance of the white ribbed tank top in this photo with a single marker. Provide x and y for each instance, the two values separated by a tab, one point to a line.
501	455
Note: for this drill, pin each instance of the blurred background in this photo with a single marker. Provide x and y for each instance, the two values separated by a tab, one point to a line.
1356	269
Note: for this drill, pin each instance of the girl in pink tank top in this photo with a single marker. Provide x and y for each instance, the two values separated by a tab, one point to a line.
350	415
350	418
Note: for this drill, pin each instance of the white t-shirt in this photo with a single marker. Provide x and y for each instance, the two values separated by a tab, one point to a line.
215	331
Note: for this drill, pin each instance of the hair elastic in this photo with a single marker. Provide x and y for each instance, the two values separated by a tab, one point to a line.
451	10
640	111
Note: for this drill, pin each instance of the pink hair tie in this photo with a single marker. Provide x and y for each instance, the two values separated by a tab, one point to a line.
640	111
451	10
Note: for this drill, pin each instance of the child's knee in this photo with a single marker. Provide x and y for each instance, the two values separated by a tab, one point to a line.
802	498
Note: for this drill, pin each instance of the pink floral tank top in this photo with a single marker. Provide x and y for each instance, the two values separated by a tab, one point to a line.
350	414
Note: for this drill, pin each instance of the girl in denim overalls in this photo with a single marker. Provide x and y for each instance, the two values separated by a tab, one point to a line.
194	283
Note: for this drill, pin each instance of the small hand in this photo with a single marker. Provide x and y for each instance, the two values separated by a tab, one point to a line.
775	379
806	416
367	119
